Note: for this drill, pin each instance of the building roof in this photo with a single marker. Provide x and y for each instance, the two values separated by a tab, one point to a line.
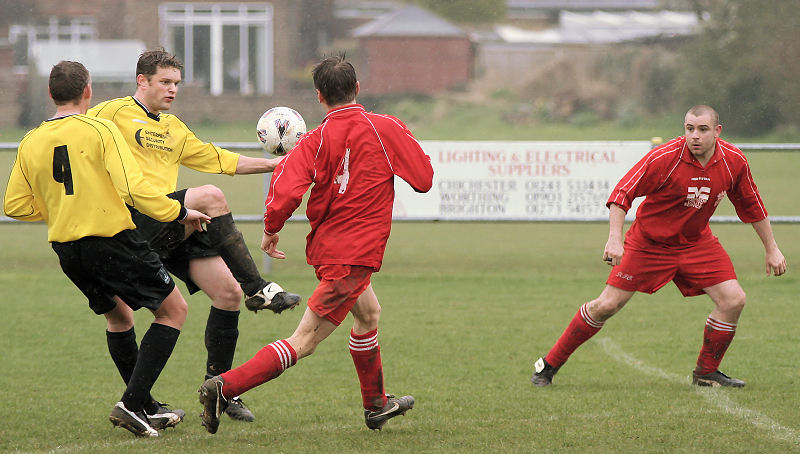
408	21
521	6
602	28
363	10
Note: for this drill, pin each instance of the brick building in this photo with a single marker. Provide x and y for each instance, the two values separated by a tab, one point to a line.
241	57
411	50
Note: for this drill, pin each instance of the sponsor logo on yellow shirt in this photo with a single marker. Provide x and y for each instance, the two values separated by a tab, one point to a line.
152	139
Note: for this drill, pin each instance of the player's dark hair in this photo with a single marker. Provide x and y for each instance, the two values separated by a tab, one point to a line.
151	60
702	109
67	81
336	80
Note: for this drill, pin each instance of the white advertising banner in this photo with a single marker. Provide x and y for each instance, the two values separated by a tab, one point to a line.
518	181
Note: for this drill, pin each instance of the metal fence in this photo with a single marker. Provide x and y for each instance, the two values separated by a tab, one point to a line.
252	146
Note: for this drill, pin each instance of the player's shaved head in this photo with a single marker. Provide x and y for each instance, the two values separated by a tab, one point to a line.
702	109
67	82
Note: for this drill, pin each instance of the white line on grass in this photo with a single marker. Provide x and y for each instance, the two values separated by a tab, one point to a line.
711	395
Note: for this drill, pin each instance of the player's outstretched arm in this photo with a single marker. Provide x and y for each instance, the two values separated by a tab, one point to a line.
775	262
612	254
248	165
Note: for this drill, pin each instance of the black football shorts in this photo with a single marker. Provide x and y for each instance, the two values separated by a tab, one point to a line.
167	239
122	265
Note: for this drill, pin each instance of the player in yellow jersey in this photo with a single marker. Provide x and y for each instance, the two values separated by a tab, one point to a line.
76	173
215	261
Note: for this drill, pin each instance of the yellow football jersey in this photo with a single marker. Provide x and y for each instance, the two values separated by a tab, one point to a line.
77	173
162	142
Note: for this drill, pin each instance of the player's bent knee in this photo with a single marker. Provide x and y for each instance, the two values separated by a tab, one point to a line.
179	311
173	311
229	298
369	318
212	192
206	198
742	299
736	302
213	195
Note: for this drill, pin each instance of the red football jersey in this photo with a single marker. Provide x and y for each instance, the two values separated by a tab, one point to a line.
681	195
351	158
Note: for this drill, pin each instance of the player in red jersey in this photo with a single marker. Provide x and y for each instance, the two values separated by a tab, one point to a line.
351	159
670	240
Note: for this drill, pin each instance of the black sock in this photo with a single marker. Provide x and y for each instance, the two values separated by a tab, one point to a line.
123	350
222	331
156	348
234	252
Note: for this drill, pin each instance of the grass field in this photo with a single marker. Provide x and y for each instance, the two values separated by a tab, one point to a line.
467	309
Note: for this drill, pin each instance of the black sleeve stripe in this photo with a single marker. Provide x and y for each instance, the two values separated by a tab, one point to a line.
27	180
219	160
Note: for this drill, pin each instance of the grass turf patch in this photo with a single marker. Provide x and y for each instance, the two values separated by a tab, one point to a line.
467	308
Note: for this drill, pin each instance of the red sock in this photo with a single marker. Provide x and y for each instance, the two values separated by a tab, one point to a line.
717	336
267	364
579	330
366	355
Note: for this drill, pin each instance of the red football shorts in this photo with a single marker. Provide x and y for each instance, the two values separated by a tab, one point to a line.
647	266
338	290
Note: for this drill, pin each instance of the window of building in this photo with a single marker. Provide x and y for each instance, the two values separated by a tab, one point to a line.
225	47
53	29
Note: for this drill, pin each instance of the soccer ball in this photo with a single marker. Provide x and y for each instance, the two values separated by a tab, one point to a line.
279	129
